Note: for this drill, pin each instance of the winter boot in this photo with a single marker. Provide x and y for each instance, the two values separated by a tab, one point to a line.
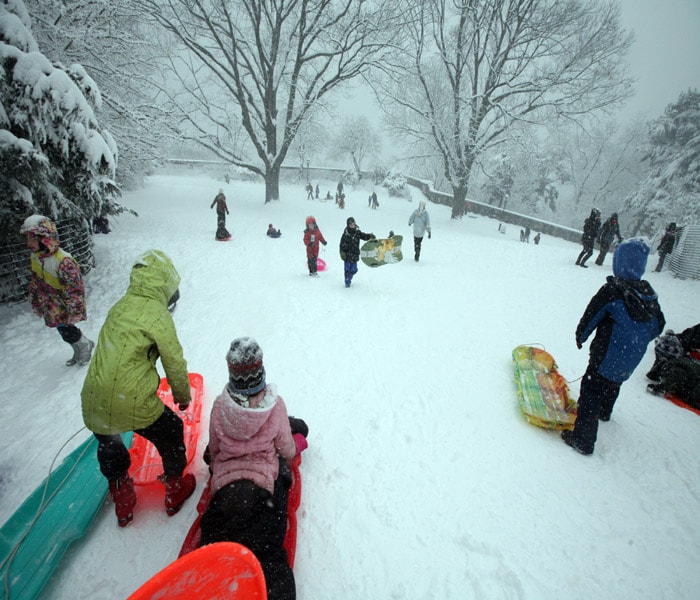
122	492
82	352
177	490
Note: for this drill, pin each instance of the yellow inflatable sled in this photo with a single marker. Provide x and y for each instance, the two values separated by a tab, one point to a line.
543	393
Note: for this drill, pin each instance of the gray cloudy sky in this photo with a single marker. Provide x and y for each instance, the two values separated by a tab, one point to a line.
665	57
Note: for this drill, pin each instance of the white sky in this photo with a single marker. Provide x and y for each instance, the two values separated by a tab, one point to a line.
665	57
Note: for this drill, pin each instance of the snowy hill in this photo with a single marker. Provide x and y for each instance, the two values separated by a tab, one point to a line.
422	479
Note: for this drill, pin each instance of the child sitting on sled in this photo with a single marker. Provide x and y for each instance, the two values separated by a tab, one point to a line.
676	369
251	440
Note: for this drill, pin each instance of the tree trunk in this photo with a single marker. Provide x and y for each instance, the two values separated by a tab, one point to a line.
459	198
272	184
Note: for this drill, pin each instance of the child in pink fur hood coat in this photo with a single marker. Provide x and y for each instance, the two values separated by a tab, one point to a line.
250	443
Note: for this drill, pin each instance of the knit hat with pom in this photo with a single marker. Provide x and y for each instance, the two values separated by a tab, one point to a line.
246	374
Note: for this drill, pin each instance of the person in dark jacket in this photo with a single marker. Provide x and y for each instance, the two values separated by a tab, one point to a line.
221	212
626	316
666	245
591	228
350	248
609	231
676	369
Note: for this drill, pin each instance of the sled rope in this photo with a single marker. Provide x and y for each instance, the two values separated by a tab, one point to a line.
42	506
544	348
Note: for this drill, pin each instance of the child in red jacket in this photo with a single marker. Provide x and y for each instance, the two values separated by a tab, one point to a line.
312	237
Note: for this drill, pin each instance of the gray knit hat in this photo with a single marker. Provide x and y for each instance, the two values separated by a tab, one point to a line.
246	374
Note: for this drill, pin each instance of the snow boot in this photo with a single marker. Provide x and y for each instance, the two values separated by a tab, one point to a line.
177	490
568	437
82	352
122	492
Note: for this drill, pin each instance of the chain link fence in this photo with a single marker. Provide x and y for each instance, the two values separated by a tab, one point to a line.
76	238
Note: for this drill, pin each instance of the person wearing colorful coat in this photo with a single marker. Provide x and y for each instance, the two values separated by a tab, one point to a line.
251	442
120	389
625	315
312	238
56	289
221	212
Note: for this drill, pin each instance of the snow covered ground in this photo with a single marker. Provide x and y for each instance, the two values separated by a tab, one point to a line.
422	479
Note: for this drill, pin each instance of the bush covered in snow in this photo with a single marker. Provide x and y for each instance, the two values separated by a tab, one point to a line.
395	182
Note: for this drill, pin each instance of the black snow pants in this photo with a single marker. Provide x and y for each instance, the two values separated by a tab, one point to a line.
165	433
247	514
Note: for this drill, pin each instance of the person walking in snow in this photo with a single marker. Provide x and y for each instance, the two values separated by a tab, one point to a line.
420	219
309	191
312	238
56	288
626	316
591	228
221	212
668	241
609	231
318	191
251	440
120	390
350	248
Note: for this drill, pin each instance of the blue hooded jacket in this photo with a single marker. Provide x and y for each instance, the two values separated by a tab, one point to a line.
625	314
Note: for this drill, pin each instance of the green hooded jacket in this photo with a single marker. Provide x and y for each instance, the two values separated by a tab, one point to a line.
119	393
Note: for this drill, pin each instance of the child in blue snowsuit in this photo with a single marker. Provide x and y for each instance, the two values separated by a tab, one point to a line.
626	316
350	248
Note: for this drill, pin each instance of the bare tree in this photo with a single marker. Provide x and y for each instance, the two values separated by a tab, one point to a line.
357	139
261	65
473	69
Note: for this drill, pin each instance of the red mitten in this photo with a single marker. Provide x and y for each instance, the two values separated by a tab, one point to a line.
300	442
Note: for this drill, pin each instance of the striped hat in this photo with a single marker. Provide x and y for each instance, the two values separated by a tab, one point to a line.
246	374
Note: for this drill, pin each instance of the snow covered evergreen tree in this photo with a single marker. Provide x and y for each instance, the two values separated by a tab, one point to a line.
671	191
56	159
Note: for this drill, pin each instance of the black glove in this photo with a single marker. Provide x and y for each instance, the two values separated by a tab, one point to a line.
183	407
429	235
579	345
310	244
372	236
324	243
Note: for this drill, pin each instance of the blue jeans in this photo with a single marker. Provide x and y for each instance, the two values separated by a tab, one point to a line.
350	270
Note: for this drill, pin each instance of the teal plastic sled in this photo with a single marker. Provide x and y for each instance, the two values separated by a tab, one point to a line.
35	538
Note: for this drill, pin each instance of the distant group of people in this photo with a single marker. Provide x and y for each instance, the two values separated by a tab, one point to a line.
606	233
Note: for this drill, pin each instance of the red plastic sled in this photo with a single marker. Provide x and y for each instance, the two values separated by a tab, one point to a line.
225	570
194	535
320	264
678	402
146	464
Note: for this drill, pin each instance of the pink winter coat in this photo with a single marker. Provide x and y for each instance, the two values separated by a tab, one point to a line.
244	442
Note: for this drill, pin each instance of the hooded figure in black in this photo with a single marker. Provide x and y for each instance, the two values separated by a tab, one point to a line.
609	231
668	241
350	248
591	229
626	316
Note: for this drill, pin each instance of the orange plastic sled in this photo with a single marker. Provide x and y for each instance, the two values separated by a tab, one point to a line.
146	464
225	570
